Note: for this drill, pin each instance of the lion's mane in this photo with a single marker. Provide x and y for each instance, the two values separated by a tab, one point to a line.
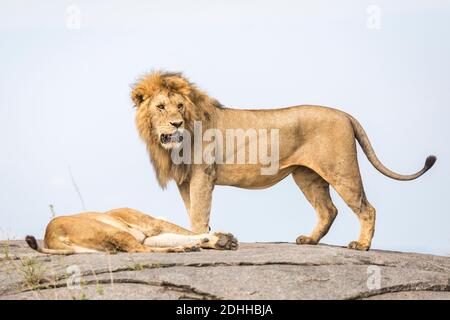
202	108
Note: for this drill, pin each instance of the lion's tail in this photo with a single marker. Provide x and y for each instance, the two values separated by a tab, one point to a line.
31	241
363	140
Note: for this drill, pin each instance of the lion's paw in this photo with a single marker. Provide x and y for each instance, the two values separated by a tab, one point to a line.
174	250
224	241
187	248
192	248
356	245
305	240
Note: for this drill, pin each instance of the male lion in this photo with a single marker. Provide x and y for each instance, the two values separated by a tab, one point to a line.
126	230
316	145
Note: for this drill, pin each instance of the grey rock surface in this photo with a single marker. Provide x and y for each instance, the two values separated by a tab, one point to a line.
255	271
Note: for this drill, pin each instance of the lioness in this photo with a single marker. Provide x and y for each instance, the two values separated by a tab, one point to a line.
126	230
316	145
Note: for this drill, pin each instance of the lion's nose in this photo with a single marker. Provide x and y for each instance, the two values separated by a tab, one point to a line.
177	124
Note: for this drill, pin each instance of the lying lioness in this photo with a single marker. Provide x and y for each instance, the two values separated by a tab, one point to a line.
125	230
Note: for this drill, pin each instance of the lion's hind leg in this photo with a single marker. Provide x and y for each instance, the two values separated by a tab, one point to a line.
348	184
317	192
352	193
164	234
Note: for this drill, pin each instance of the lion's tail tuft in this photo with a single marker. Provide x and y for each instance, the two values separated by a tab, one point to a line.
31	241
429	163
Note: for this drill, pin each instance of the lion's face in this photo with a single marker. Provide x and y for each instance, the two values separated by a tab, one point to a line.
167	118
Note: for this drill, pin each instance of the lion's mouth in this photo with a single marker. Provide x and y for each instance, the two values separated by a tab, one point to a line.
173	137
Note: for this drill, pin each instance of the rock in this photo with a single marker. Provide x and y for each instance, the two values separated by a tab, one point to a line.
255	271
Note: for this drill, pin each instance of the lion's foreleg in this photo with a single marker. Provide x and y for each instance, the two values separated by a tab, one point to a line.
185	195
201	187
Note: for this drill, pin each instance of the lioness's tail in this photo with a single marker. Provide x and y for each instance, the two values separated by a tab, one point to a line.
35	246
363	140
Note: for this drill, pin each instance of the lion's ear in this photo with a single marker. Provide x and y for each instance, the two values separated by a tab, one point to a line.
137	97
175	82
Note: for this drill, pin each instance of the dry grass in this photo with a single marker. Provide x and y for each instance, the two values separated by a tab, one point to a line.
32	272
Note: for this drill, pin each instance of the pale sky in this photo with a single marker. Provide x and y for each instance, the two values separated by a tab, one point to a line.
64	102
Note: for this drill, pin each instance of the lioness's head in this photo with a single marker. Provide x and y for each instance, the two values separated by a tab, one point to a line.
166	105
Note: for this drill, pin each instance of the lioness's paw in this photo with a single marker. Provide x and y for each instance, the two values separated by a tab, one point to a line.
191	248
305	240
188	248
224	241
356	245
175	250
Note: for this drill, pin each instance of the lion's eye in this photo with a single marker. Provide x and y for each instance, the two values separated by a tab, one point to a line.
180	106
160	106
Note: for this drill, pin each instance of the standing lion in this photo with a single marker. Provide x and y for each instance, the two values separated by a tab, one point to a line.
315	144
